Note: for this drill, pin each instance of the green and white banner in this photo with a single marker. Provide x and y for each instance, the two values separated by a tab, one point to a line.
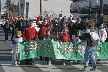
53	49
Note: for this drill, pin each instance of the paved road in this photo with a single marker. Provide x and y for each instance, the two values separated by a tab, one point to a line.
6	61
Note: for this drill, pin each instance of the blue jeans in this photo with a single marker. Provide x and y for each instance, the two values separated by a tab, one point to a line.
89	55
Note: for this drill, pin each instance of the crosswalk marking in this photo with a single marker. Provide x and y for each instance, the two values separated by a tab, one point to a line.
103	63
87	70
8	67
47	68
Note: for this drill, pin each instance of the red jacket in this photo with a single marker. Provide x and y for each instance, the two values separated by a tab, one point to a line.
65	37
30	34
12	20
43	28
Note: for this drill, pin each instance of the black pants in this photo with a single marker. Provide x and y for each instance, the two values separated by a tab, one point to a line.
29	60
47	59
41	58
63	60
6	34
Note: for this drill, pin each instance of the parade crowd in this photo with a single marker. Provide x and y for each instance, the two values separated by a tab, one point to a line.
62	30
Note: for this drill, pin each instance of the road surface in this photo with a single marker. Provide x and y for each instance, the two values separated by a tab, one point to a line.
6	62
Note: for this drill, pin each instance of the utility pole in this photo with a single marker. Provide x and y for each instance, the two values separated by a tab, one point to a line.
40	6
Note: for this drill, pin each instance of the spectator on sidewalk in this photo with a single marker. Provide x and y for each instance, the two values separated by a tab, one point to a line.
6	30
18	25
72	29
24	23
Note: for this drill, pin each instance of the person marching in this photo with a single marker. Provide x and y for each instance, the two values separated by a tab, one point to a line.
92	40
44	27
30	33
64	37
48	37
15	49
76	40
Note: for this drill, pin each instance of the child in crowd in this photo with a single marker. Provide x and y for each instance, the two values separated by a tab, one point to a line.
48	36
15	49
64	37
76	39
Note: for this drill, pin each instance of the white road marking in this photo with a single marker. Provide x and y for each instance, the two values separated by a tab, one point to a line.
8	67
47	68
87	70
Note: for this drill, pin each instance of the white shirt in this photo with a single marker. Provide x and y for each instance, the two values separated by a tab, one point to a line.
102	34
75	39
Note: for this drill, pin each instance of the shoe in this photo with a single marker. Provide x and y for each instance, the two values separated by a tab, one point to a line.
14	63
49	62
18	62
74	62
85	67
64	63
78	62
11	51
93	69
31	63
68	62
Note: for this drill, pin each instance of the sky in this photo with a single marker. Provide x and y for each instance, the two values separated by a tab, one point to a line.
3	2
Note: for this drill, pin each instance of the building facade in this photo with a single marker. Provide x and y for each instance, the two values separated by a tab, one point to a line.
49	7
